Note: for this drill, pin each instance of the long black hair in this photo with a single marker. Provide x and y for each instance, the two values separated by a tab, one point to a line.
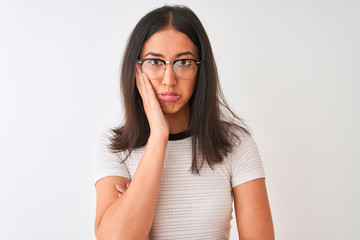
213	126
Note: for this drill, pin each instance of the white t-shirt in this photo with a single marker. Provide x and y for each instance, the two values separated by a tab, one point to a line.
189	206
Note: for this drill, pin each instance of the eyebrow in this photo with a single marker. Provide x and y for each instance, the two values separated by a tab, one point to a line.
177	55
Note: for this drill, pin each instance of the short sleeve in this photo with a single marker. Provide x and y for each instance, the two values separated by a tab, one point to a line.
105	162
245	162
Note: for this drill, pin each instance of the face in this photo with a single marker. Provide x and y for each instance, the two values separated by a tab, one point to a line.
169	44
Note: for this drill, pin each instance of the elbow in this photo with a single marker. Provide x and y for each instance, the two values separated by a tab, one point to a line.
96	231
105	231
118	234
258	238
102	234
98	234
105	236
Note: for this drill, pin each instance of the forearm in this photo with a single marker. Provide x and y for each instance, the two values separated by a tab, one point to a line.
131	215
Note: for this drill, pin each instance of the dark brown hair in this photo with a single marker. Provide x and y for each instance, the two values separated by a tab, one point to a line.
213	126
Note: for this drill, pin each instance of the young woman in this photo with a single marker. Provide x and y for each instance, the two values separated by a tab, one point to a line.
185	152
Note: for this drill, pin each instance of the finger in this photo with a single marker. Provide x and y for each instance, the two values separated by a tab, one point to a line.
120	188
150	92
139	79
146	86
138	68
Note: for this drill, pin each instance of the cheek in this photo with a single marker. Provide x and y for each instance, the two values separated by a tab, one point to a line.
190	88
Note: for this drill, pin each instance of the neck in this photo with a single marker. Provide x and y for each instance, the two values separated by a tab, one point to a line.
179	122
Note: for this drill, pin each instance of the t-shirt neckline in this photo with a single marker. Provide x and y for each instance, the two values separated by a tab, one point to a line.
179	136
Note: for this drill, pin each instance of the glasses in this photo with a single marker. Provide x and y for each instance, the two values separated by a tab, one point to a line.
155	68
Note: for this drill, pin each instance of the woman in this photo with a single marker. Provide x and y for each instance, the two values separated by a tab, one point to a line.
185	158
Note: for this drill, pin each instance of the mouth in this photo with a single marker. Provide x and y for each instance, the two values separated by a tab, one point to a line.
169	96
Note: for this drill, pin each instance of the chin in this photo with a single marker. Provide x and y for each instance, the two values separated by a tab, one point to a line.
173	107
170	110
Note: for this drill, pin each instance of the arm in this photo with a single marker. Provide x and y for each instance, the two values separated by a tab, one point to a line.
131	216
252	210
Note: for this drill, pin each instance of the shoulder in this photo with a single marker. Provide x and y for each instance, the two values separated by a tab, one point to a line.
241	140
244	148
103	142
245	161
107	162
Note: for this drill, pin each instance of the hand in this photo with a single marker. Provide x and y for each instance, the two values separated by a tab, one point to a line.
122	188
156	118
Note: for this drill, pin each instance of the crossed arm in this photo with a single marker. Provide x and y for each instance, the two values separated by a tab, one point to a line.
252	210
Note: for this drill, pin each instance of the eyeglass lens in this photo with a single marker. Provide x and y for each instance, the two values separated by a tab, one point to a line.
183	69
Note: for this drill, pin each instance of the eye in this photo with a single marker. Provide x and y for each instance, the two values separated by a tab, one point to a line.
184	62
155	62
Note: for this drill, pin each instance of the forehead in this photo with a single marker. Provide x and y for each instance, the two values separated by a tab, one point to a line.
168	42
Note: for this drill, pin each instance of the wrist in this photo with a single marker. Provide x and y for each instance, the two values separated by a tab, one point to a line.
159	137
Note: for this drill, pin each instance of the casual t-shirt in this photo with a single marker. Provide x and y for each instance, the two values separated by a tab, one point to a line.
189	206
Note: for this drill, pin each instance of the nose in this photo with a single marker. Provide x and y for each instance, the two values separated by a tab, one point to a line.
169	76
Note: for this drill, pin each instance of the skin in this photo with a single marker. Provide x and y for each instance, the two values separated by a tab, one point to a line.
252	209
169	44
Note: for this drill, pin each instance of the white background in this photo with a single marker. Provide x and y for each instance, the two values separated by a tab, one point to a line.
289	68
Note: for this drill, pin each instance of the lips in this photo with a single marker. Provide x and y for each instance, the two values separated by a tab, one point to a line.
169	96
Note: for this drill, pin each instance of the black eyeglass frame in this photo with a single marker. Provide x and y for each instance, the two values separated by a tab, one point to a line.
141	61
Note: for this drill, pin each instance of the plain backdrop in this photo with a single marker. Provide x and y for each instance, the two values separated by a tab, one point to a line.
289	68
